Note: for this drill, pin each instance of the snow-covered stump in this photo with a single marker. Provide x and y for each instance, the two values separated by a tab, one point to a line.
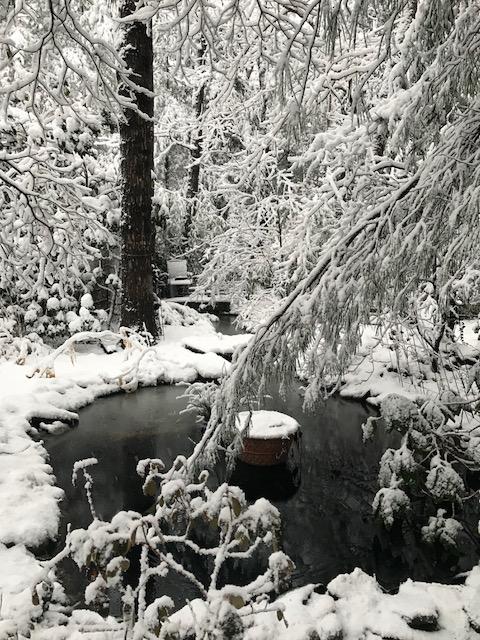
267	436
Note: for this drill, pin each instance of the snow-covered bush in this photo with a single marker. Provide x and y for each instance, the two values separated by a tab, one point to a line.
429	465
17	348
173	313
443	483
442	529
391	503
399	413
217	526
399	463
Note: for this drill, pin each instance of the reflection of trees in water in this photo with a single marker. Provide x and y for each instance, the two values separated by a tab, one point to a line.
326	527
329	528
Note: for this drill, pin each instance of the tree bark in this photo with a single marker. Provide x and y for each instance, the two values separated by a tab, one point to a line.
136	151
194	177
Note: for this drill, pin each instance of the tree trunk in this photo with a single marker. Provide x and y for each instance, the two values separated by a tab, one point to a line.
136	151
194	177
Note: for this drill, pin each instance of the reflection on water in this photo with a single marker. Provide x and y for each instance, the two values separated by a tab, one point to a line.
327	523
326	507
119	431
279	483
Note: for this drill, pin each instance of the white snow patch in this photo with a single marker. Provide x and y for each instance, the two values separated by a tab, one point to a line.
266	424
217	343
373	374
357	609
86	301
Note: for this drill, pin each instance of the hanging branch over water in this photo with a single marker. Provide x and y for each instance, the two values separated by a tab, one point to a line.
403	208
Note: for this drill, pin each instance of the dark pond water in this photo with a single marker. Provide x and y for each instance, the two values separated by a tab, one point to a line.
326	510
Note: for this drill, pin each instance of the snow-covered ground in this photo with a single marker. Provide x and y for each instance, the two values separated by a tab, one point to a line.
216	343
354	607
374	372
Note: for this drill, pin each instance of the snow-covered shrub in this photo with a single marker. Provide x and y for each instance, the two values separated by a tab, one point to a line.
216	525
429	465
399	413
391	503
172	313
442	529
157	613
87	318
18	348
399	463
443	482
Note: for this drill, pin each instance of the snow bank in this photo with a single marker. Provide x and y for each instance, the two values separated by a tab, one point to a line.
20	570
23	584
81	624
216	343
381	368
266	424
354	606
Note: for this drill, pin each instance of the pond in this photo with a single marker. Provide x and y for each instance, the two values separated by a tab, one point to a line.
328	526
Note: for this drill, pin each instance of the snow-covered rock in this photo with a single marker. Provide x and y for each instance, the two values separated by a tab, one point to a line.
216	343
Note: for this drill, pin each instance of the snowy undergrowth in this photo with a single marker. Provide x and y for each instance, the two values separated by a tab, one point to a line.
353	607
387	364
